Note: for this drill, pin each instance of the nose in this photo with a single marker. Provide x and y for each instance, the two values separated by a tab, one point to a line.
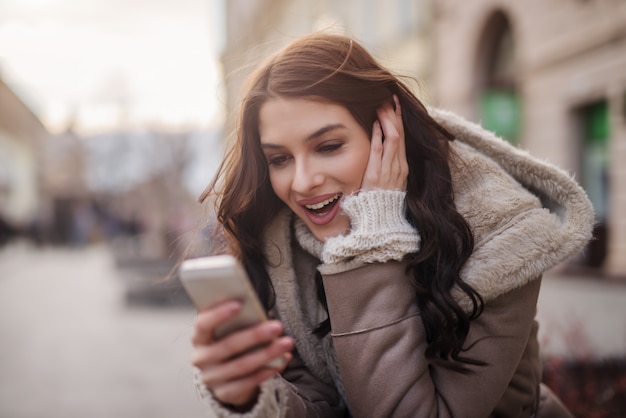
306	177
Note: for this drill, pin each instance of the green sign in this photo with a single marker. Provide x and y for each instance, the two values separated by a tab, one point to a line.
597	122
500	112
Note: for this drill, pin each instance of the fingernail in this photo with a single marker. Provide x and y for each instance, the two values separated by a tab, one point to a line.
233	307
286	343
274	327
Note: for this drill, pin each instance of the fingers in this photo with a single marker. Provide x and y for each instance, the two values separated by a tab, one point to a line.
373	168
208	320
233	367
244	390
240	368
236	344
237	381
387	166
400	125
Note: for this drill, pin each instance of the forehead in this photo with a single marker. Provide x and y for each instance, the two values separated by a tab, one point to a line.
281	118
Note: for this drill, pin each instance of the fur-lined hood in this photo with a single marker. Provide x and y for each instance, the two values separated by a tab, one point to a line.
526	215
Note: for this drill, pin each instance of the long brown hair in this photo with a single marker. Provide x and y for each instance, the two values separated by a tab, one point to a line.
337	69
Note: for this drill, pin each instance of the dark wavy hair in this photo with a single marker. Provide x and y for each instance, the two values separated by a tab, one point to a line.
337	69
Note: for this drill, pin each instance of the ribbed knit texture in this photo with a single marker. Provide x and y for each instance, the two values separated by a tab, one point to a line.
271	401
379	231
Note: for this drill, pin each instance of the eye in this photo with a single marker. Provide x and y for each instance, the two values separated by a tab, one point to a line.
277	160
329	147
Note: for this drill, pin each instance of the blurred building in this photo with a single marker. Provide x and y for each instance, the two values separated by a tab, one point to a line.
67	216
43	192
550	77
141	199
21	138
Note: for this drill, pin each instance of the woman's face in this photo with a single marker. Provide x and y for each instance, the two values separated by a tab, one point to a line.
316	153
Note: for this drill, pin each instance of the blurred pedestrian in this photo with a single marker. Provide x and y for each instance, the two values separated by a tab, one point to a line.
398	249
7	231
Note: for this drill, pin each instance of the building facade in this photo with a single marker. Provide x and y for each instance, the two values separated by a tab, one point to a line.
43	192
21	139
551	78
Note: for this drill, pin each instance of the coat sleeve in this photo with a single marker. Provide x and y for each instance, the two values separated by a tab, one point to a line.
295	394
380	342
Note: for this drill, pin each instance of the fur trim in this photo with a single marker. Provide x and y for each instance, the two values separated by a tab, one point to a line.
292	272
306	239
296	293
526	220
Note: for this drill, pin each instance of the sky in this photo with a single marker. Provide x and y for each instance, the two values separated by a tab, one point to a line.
105	65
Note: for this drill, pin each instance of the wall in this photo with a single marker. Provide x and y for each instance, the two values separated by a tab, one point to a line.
569	54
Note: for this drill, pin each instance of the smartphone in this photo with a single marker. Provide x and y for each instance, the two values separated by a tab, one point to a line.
211	280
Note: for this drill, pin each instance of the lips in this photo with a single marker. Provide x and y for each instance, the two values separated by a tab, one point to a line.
321	205
322	211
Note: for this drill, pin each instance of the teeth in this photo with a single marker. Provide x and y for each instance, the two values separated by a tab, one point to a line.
322	204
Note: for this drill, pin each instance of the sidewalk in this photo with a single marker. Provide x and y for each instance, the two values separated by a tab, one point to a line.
72	348
582	317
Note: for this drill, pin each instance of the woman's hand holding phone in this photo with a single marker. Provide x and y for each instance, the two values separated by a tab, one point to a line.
235	346
233	367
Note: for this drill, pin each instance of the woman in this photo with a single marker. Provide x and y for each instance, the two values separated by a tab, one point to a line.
399	250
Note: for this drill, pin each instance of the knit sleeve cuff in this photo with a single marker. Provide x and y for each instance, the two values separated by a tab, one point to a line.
379	231
270	402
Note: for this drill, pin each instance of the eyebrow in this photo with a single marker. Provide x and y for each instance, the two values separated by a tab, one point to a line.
321	131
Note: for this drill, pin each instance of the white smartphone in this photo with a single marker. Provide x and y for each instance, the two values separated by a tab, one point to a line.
211	280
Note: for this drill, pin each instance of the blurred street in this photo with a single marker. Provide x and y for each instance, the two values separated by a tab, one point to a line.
582	317
72	345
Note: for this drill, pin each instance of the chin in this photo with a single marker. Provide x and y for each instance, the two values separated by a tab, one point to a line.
339	226
323	236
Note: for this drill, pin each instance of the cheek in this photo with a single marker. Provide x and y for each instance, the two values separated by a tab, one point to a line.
280	184
349	173
357	167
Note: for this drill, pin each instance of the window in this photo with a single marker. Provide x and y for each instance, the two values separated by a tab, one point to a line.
499	106
594	164
595	156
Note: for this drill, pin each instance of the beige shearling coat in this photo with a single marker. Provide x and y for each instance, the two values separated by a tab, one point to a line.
526	216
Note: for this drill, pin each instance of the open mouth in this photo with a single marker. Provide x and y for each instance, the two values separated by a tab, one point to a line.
324	206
